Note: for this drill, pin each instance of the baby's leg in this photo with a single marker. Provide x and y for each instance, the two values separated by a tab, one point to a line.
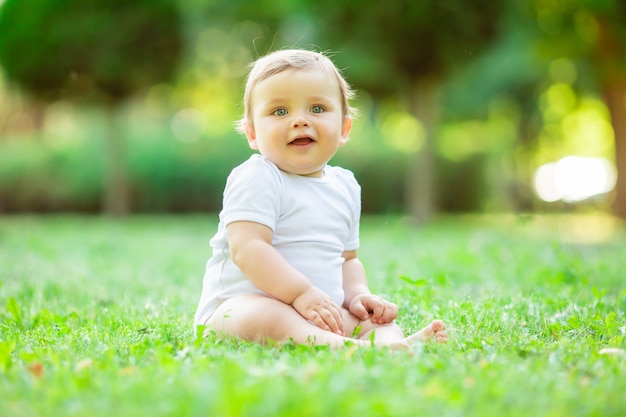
262	319
391	332
435	331
363	329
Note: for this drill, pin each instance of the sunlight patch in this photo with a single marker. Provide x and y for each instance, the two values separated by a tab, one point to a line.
574	178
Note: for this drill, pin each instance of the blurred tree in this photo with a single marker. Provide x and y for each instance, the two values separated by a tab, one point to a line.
260	25
407	48
92	51
507	78
593	33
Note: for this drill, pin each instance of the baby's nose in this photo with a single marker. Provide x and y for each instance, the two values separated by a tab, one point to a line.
299	120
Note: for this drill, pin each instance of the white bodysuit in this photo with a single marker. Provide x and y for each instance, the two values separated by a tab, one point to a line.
314	220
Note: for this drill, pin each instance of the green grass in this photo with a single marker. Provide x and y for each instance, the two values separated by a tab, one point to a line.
96	320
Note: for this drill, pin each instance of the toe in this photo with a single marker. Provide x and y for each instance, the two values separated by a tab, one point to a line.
437	326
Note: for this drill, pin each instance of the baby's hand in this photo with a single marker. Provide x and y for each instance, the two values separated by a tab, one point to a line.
315	305
381	310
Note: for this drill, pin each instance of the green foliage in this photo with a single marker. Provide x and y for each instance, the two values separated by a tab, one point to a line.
381	46
105	324
412	40
97	49
589	31
101	51
43	177
165	175
49	173
378	46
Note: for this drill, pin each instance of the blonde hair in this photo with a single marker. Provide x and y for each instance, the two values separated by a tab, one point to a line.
283	60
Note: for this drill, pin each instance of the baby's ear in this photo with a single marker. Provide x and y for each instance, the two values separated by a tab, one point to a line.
346	127
250	134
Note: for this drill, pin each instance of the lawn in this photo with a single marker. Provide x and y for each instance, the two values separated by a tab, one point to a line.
96	320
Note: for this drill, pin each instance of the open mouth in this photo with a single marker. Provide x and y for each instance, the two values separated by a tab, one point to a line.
301	141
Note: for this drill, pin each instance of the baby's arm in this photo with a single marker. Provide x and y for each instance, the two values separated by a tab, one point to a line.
252	251
358	298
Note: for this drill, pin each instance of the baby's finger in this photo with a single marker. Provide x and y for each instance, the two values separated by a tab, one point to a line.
378	310
359	310
338	316
391	313
316	318
332	320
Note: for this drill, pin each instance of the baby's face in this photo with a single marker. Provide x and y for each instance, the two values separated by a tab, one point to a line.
297	120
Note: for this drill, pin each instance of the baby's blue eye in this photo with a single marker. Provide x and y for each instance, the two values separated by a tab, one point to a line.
280	112
317	109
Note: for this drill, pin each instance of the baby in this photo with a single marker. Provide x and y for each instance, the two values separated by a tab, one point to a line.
284	265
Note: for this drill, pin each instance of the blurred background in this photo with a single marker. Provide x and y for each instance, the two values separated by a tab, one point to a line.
465	106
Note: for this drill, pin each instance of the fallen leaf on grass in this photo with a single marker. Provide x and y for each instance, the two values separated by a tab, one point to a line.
36	369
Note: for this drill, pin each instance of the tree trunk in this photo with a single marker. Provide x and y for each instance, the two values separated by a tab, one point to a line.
420	196
115	199
615	97
609	54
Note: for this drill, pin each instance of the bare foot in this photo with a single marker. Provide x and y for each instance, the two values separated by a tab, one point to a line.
434	331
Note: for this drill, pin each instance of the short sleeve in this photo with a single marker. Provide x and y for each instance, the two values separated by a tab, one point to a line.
252	193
